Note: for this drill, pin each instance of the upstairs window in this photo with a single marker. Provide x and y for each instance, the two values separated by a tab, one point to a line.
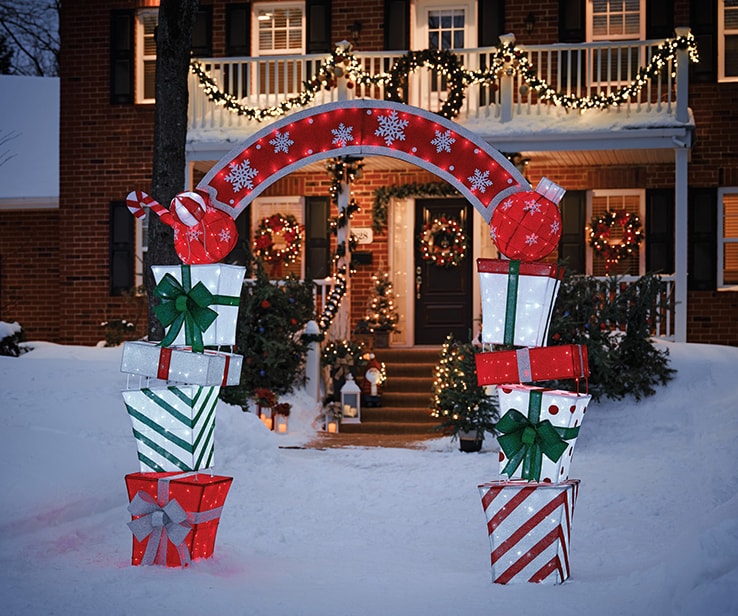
146	21
280	28
615	20
728	40
728	238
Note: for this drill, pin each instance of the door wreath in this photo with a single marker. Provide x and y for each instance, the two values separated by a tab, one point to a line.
278	240
443	242
601	230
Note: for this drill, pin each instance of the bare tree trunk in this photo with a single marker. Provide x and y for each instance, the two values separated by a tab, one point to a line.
173	43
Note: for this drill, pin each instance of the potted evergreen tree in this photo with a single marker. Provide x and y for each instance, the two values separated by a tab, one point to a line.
381	315
465	410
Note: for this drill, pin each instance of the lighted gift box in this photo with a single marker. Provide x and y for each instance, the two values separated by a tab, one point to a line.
568	361
529	527
517	301
173	426
537	431
174	516
181	364
198	304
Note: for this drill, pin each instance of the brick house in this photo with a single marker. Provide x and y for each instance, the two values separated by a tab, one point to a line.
667	156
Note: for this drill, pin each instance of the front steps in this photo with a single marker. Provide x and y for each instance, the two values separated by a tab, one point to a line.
406	396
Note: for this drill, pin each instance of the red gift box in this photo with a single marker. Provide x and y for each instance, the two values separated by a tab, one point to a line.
529	526
174	516
568	361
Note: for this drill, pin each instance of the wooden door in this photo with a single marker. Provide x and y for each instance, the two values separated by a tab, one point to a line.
443	295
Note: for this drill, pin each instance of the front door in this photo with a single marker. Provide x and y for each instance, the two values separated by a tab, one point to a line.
443	295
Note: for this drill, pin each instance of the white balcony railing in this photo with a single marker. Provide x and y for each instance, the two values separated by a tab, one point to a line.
496	83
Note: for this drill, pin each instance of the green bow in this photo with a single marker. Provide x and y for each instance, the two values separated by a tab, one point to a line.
513	277
184	305
526	439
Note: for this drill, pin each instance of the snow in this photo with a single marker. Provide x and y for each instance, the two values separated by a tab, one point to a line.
29	112
365	531
9	329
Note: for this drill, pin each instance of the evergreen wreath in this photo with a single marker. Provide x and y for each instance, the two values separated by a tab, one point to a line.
601	229
443	242
265	246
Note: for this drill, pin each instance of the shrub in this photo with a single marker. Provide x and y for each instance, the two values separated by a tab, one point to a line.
11	334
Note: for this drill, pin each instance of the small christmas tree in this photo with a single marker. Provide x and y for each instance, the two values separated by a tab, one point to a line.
458	401
381	315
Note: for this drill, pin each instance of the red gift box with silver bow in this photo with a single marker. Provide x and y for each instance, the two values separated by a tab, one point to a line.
529	527
174	516
568	361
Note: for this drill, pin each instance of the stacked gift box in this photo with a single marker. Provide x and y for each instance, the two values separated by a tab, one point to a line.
175	499
529	513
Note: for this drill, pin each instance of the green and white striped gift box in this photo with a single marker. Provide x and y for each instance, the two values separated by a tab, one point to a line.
174	426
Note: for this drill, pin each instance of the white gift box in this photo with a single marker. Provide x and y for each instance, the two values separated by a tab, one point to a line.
529	527
223	282
181	364
517	301
173	426
548	415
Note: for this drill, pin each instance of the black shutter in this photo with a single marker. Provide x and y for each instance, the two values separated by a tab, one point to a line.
317	237
572	21
659	19
702	242
659	231
202	33
238	30
396	25
318	19
121	248
703	22
121	57
573	221
491	22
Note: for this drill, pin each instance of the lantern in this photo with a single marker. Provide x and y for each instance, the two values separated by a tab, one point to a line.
280	423
351	401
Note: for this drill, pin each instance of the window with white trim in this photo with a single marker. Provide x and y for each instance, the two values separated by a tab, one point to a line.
280	28
263	207
616	20
728	237
146	20
728	40
632	201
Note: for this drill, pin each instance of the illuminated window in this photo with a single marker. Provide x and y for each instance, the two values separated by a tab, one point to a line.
280	28
615	20
728	237
146	21
728	40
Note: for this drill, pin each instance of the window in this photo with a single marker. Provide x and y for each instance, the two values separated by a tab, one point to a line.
280	28
602	201
263	207
728	237
446	29
615	20
121	248
728	40
146	21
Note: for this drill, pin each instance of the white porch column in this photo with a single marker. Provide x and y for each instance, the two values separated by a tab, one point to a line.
344	233
680	243
506	84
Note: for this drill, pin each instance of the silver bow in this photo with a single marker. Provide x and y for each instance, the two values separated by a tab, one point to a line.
169	523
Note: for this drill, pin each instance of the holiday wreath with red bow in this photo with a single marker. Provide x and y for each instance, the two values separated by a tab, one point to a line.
443	242
278	240
600	233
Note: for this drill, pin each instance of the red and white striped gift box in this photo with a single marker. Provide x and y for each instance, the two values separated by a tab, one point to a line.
529	527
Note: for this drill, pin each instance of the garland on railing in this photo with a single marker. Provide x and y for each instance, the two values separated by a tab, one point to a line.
383	194
508	58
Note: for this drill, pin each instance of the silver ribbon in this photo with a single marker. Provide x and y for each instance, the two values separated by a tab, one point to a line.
525	373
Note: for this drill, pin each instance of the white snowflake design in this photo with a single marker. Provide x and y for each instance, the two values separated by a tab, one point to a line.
342	135
224	235
532	206
391	128
480	180
282	143
194	233
555	226
506	205
531	239
443	141
241	175
493	233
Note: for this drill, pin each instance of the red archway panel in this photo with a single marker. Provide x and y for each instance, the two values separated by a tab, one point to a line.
364	128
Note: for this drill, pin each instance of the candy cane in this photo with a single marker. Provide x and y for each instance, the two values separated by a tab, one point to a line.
137	200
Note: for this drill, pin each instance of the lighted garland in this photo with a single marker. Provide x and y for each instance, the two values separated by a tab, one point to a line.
333	301
507	57
271	227
383	194
442	242
601	230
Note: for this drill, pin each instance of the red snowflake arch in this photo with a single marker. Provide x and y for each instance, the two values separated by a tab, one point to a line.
362	128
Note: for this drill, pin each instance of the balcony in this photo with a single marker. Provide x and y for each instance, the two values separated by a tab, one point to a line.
632	95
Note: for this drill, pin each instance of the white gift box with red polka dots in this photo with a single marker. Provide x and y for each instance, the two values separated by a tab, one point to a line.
529	527
564	410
